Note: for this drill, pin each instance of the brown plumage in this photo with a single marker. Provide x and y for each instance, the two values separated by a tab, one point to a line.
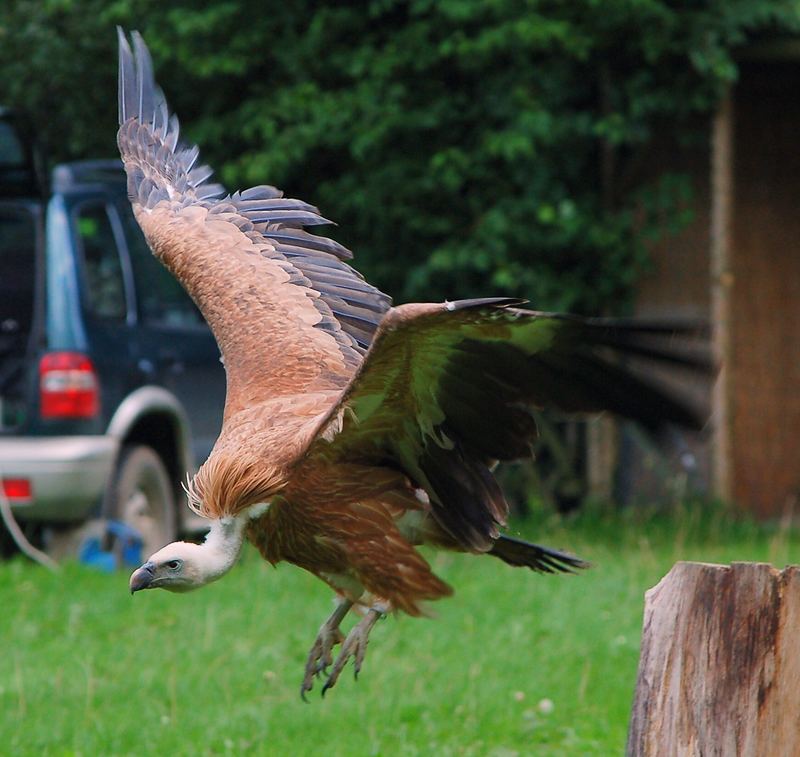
354	432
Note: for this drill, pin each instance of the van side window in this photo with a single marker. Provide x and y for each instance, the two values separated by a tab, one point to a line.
105	286
161	299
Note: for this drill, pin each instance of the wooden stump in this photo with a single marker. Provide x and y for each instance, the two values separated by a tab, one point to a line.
719	672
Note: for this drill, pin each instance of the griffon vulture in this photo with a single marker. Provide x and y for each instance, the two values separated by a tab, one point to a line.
355	431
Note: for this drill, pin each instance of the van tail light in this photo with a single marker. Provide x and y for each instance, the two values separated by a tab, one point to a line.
17	489
68	386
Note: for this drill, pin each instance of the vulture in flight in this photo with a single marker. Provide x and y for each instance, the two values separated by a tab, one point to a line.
354	431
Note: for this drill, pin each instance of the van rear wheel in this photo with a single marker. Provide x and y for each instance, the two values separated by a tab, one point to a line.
142	497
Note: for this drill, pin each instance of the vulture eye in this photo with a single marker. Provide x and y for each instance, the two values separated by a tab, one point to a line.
174	564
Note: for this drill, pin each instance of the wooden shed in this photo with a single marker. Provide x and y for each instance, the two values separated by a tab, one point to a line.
738	263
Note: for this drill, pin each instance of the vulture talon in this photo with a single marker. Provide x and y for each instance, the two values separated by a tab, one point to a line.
320	658
355	645
322	670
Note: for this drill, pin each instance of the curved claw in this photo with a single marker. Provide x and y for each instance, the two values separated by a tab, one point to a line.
320	657
355	645
322	668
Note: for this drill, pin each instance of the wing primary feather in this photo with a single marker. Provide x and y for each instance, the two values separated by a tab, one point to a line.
198	175
261	192
207	191
305	239
173	133
144	78
289	217
126	76
671	327
483	302
695	360
361	320
163	113
521	553
351	298
248	207
335	277
189	157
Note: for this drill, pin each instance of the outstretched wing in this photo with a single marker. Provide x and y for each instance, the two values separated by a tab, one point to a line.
446	390
288	313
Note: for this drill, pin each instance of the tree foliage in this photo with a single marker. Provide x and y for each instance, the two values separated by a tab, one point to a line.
464	146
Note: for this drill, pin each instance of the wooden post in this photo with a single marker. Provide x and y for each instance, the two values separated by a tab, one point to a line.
722	281
601	454
719	672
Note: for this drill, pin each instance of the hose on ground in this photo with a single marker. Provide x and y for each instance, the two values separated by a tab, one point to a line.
19	537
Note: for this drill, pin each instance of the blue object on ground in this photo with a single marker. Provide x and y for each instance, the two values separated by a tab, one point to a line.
126	548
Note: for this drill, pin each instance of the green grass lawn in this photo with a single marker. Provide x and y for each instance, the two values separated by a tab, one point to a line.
515	663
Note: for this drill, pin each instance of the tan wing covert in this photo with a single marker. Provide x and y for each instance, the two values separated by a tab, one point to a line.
288	313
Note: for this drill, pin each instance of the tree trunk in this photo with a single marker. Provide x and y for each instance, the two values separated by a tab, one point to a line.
719	672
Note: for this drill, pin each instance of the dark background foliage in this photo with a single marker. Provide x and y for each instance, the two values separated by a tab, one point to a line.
463	146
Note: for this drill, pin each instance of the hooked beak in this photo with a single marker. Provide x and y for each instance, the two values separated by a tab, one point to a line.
142	577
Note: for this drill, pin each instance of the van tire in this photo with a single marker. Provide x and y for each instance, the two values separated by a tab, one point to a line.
142	497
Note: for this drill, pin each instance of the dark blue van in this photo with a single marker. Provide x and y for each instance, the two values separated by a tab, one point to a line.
111	386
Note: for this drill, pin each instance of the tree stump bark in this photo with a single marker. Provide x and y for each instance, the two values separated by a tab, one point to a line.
719	672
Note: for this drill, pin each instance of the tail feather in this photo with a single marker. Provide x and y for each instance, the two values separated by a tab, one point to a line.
523	554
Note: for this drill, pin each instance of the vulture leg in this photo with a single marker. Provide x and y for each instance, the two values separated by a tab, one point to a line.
320	657
355	645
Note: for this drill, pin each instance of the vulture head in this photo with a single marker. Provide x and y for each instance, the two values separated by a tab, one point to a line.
180	566
183	566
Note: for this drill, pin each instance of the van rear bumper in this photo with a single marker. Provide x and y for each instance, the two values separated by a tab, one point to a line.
68	474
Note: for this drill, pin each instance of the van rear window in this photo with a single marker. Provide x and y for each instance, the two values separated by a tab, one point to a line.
17	276
11	152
